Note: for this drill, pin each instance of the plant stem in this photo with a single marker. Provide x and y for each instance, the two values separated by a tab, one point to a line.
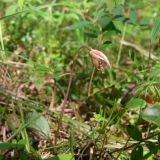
24	132
68	90
90	82
1	40
120	47
64	103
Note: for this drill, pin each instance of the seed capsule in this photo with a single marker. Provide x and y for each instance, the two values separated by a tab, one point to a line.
99	60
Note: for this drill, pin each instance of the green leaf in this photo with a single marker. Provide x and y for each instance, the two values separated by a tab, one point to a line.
41	68
63	157
91	34
155	72
11	9
118	10
136	103
134	132
7	146
110	5
21	143
144	22
110	34
104	21
137	153
39	83
148	156
111	27
24	155
155	29
120	18
1	157
133	17
78	25
107	43
152	114
152	147
38	124
20	4
31	9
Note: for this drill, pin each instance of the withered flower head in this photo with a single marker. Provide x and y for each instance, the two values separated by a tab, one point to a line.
99	60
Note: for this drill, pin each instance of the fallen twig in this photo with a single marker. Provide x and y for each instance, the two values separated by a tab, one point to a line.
140	50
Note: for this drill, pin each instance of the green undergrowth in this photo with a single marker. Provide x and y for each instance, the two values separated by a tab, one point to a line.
57	101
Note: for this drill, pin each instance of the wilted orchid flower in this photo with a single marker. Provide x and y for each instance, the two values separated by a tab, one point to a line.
99	60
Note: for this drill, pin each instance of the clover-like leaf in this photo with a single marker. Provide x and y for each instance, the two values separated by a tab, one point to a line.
136	103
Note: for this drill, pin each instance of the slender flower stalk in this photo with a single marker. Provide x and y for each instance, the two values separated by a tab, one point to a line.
100	62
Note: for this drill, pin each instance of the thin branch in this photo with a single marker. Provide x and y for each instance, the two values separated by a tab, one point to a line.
140	50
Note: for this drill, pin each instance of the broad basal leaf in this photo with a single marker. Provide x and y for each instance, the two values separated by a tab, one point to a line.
38	124
152	114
